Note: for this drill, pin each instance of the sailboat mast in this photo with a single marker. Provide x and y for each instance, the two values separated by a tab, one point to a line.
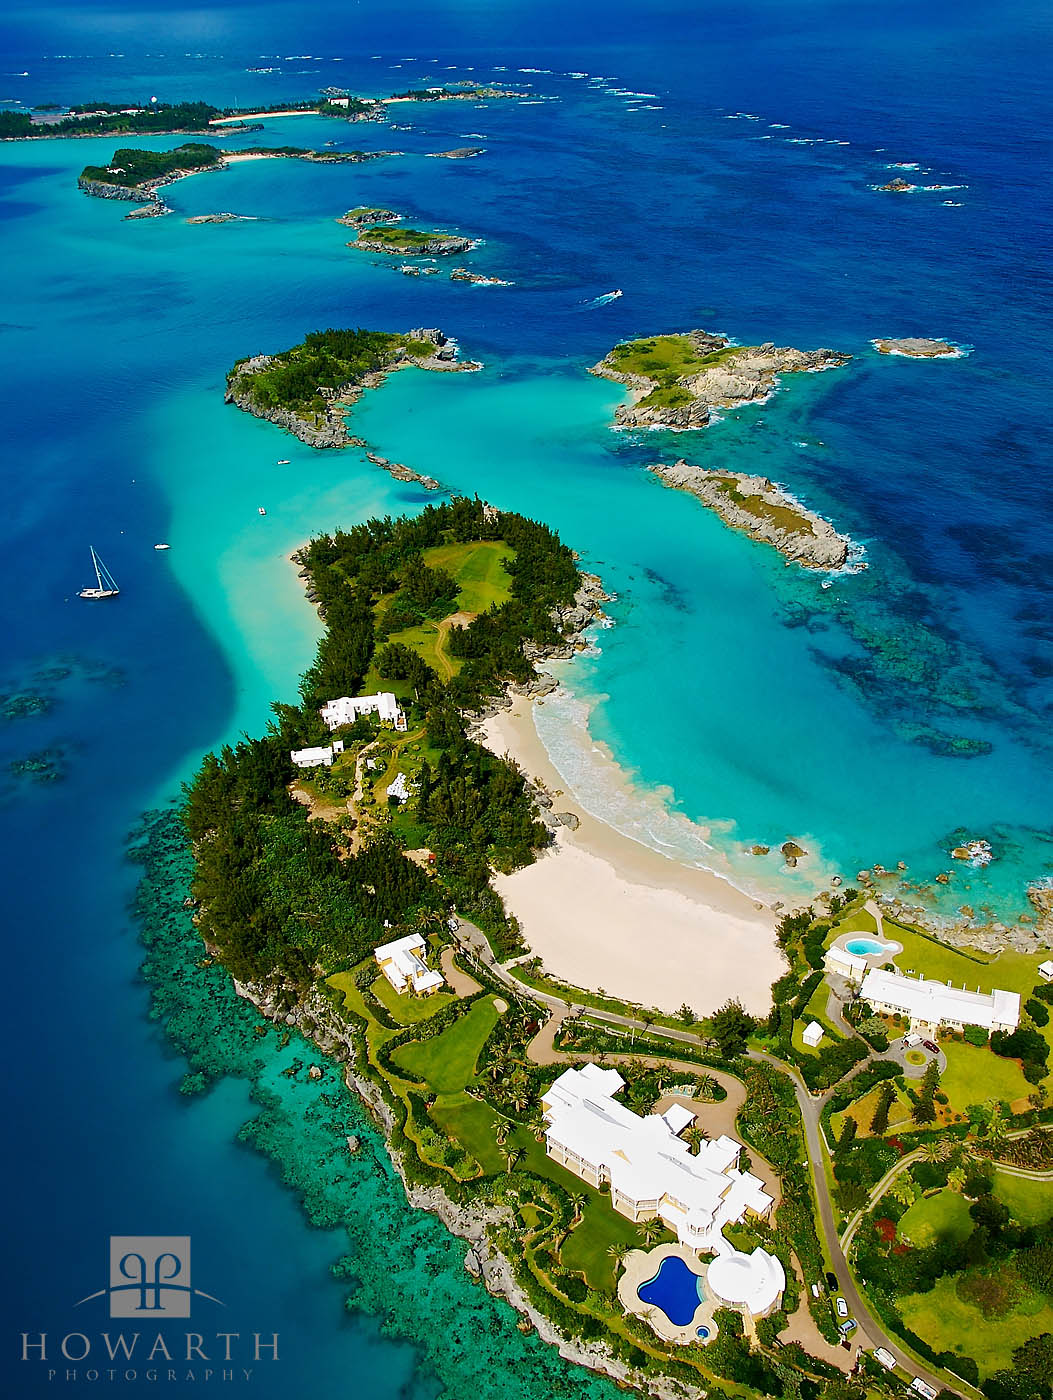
95	561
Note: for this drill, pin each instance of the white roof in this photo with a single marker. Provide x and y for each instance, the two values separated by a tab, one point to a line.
678	1117
812	1033
933	1002
312	758
1046	968
696	1194
849	964
754	1281
402	964
347	708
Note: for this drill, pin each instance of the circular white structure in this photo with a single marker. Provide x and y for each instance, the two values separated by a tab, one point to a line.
753	1282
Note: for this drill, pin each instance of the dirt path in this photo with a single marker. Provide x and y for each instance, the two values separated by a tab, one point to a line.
460	982
457	619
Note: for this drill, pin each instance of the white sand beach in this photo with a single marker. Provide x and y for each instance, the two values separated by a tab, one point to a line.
604	911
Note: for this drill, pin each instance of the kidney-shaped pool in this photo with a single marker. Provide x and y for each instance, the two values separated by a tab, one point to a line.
675	1288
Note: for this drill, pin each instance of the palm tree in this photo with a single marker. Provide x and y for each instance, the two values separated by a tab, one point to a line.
512	1156
577	1200
695	1136
651	1231
502	1132
617	1252
956	1180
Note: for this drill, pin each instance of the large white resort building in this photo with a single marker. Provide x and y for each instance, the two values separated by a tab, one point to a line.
347	709
652	1172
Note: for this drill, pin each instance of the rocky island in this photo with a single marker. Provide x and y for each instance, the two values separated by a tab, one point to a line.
458	153
364	217
409	242
897	185
305	389
677	380
763	510
917	348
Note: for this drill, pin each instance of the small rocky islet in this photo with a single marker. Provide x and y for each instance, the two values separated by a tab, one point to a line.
676	381
917	348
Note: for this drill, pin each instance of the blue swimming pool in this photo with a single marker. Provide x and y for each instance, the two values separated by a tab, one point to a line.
675	1288
864	947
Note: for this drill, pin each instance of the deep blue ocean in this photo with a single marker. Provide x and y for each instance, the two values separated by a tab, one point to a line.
719	170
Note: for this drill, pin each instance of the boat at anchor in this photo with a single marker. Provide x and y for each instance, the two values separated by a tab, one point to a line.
106	584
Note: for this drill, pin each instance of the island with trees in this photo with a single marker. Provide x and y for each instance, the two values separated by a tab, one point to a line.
761	509
676	381
306	388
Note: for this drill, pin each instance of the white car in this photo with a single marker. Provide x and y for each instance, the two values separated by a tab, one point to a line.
842	1307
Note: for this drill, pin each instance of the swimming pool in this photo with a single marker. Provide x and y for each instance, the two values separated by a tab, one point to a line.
675	1288
865	947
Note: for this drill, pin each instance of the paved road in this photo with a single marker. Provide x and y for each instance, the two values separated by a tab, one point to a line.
869	1328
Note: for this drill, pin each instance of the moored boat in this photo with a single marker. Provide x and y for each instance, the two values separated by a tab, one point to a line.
106	585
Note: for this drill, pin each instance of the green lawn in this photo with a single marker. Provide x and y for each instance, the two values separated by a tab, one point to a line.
407	1008
860	922
1030	1201
863	1110
479	570
472	1124
447	1062
1012	972
942	1216
947	1323
585	1249
975	1074
666	358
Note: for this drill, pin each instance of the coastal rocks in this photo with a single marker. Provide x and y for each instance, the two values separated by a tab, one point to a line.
759	850
763	510
917	348
897	185
365	218
223	218
99	189
569	820
462	274
458	153
976	852
156	209
792	852
401	472
676	381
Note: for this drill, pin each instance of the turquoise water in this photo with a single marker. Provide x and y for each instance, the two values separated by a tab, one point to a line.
733	702
676	1289
864	947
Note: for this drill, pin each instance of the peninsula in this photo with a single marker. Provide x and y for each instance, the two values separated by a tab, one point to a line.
676	381
763	510
409	242
306	388
917	348
137	175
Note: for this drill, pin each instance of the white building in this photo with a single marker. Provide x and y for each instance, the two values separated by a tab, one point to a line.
650	1169
1045	971
402	963
348	708
752	1283
850	965
933	1004
317	758
812	1033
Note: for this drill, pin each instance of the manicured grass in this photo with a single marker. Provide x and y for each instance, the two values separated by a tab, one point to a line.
447	1062
816	1010
863	1112
406	1007
479	570
942	1216
975	1074
1030	1201
428	640
472	1124
947	1323
862	921
1012	972
585	1249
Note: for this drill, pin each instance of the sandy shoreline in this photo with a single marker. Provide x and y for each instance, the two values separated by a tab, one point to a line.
604	911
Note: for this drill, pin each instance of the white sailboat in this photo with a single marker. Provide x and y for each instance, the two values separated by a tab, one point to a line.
106	584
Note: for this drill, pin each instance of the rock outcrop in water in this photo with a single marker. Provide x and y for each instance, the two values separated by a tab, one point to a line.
763	510
917	348
677	381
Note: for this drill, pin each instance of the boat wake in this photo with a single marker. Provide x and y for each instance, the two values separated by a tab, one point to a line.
603	300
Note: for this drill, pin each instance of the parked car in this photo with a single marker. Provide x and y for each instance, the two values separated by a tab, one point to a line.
931	1045
815	1290
849	1325
886	1358
841	1306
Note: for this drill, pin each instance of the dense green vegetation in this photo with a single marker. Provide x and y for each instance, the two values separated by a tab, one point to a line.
18	124
130	166
156	119
399	240
330	359
276	892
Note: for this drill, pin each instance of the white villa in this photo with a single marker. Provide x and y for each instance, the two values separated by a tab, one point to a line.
317	758
930	1005
650	1168
347	709
402	963
1045	971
